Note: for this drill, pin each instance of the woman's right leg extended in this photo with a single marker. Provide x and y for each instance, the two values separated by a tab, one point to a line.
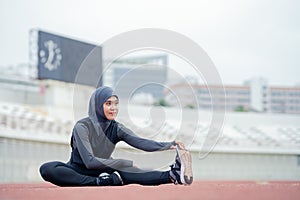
62	174
133	175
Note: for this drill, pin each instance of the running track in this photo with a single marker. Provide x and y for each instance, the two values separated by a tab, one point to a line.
231	190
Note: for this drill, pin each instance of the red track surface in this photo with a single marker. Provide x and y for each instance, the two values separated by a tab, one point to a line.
235	190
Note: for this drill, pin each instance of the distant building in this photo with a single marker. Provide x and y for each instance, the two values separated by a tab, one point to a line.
65	97
131	76
284	100
22	90
237	97
256	95
265	98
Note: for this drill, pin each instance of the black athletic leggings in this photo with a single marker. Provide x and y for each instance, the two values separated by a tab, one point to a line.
65	174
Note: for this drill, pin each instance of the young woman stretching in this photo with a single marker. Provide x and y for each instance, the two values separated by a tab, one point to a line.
93	141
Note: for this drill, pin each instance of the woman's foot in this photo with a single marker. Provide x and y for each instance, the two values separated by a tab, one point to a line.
106	179
116	179
181	171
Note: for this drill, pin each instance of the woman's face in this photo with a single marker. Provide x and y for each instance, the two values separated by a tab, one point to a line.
111	108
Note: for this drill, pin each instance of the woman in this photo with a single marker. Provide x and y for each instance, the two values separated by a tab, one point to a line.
93	141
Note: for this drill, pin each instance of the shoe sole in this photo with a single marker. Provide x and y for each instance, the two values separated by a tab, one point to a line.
119	176
186	172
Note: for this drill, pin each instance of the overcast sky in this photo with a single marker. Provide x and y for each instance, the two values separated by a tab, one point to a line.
243	38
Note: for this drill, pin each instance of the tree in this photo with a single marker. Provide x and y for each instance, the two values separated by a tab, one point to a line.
162	102
190	106
240	109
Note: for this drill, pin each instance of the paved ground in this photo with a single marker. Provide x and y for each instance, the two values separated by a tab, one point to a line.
198	190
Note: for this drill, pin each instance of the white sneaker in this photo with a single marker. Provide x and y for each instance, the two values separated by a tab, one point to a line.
186	171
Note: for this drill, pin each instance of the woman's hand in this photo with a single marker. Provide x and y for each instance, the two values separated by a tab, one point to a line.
134	166
179	144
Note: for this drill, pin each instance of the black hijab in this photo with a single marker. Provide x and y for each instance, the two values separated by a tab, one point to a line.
96	112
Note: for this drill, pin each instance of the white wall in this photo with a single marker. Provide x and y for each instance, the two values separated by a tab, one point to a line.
20	161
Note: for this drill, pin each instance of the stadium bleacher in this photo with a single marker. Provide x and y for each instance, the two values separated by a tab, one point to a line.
26	119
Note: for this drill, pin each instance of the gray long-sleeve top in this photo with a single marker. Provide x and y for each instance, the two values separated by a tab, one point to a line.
93	150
